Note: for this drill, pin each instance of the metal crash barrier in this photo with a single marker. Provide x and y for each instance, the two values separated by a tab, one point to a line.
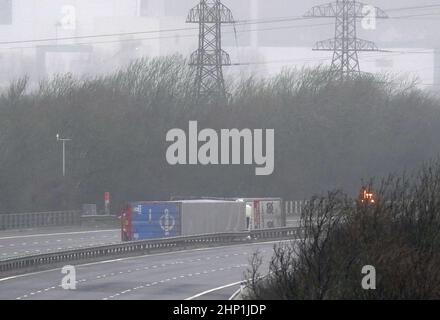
40	219
52	260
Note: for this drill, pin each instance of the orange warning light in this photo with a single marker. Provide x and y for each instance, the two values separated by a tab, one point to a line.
367	197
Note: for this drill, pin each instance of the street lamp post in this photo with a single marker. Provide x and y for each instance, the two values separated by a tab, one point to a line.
63	140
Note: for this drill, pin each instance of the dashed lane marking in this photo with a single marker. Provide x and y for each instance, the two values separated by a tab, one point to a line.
147	285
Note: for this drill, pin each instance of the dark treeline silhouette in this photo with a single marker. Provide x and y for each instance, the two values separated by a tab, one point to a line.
328	134
397	236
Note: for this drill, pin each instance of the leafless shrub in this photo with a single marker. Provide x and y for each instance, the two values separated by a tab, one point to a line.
399	235
16	90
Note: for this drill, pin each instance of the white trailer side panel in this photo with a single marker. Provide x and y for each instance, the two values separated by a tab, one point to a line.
202	217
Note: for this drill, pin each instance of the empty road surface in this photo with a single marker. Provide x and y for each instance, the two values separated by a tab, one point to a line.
17	245
14	244
169	276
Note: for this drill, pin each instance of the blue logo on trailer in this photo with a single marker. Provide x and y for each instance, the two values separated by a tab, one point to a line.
167	222
155	220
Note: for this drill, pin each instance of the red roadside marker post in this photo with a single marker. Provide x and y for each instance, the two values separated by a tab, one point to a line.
107	203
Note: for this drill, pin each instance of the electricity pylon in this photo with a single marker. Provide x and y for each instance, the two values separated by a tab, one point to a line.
346	45
209	58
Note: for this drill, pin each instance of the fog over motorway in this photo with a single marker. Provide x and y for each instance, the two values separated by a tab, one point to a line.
24	244
175	276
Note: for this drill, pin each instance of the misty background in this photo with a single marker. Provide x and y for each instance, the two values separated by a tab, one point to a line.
111	75
264	45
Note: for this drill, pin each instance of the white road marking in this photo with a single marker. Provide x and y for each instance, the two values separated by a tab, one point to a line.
141	257
57	234
182	276
215	289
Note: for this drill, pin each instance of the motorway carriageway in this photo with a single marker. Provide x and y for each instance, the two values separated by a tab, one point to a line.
24	244
14	244
169	276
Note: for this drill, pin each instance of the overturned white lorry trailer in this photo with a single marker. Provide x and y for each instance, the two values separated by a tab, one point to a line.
264	213
261	212
152	220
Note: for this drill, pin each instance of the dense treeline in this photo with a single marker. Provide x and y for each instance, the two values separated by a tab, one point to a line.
328	134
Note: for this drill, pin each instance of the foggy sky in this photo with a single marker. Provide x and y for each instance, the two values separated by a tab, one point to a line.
45	19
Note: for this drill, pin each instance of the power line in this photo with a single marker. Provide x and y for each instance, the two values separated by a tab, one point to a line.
413	8
416	15
160	31
106	35
375	55
172	36
239	23
182	36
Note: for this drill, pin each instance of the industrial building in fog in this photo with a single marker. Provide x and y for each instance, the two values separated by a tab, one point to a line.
66	23
129	29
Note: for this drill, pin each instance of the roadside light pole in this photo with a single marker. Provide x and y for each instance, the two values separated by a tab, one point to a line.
63	140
